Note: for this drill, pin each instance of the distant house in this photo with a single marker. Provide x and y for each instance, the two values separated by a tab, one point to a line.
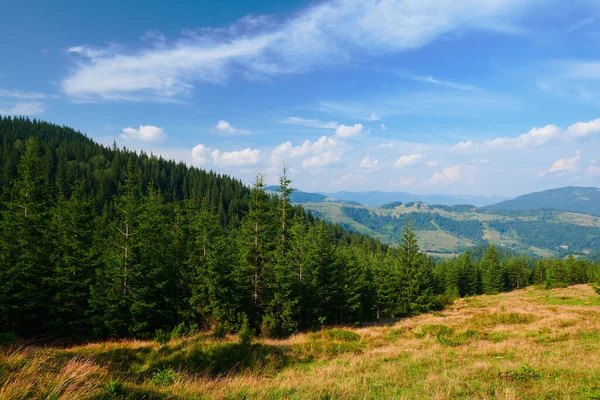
564	247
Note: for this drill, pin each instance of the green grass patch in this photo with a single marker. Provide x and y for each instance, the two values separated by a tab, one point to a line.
501	318
335	335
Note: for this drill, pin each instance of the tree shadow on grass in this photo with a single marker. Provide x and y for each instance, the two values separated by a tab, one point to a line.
205	358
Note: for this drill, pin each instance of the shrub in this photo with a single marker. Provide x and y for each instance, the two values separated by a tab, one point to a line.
179	331
114	389
336	335
162	336
8	338
245	334
164	377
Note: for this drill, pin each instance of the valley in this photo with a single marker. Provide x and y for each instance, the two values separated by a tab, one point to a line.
447	230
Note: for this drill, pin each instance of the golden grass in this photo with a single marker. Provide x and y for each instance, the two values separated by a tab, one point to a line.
528	344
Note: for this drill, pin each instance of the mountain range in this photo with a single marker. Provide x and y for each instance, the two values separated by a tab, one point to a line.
549	223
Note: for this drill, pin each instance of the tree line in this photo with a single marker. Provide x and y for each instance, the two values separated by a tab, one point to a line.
104	242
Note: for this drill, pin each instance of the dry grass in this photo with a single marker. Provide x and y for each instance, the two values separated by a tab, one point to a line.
529	344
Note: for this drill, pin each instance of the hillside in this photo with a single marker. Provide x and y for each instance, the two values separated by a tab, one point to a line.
451	229
100	242
377	198
527	344
585	200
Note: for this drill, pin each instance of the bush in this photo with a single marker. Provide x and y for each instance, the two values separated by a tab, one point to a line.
340	335
114	389
179	331
8	338
162	336
245	334
268	327
164	377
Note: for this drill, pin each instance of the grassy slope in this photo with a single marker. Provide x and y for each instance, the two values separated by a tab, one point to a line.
445	241
529	344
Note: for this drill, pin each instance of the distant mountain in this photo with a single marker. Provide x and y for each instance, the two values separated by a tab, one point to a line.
379	198
585	200
446	230
300	197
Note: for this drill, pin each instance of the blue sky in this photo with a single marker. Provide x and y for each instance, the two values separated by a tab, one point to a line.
495	97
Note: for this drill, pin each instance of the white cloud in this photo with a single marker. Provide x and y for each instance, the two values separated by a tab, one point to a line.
536	137
369	163
23	108
145	132
432	80
224	126
583	129
402	182
201	154
432	163
594	170
454	174
236	158
349	178
409	160
19	94
580	24
324	151
564	165
324	34
344	131
383	127
313	123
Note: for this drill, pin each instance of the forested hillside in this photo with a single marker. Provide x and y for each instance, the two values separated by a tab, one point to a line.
104	242
584	200
450	229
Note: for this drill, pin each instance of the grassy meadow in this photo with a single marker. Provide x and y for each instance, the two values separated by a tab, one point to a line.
527	344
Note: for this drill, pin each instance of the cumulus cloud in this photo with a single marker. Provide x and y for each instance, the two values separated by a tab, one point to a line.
225	127
452	174
344	131
584	129
536	137
145	132
236	158
202	155
23	108
402	182
326	33
324	151
564	165
369	163
409	160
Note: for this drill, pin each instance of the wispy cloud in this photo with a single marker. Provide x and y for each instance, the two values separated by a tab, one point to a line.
580	24
23	95
325	34
312	123
434	81
24	108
